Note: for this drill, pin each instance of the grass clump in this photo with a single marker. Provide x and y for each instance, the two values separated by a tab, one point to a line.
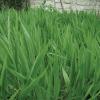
48	55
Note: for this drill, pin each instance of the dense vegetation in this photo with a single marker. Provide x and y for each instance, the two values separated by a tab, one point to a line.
48	55
16	4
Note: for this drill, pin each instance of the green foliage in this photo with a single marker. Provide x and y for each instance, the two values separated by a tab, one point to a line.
16	4
48	55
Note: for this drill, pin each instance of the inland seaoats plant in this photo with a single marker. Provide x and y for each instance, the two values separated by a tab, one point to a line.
48	55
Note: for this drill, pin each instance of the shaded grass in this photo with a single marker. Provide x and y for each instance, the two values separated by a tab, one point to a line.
48	55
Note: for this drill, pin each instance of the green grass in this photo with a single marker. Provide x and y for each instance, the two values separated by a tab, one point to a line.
48	55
